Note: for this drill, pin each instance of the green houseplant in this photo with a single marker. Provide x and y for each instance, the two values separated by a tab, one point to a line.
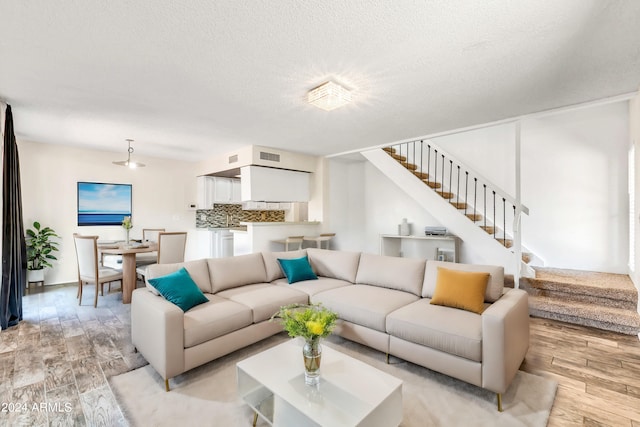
311	322
40	248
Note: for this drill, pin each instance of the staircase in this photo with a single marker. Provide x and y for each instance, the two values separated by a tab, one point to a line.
477	204
599	300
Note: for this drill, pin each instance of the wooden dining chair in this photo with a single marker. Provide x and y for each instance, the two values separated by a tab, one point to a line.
89	269
323	237
171	247
149	235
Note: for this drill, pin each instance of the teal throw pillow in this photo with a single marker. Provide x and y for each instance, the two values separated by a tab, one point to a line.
297	269
179	288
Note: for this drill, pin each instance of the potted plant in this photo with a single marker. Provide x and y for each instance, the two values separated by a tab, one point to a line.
40	248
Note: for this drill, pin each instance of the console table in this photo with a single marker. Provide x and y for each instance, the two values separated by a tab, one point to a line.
442	248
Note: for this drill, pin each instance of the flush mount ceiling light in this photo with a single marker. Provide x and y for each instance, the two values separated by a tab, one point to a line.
129	163
329	96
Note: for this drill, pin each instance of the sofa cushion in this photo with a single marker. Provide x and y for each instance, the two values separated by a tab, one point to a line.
198	270
297	269
460	289
403	274
264	299
363	304
312	287
214	319
179	289
452	331
236	271
341	265
271	265
494	287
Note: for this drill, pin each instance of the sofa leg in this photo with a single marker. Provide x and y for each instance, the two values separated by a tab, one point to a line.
255	419
499	402
166	385
387	358
135	349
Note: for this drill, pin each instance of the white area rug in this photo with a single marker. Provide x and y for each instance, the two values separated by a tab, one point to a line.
206	396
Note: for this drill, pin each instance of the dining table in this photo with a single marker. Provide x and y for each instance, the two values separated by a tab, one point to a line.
128	253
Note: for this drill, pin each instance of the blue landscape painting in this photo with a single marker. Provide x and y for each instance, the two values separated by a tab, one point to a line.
103	204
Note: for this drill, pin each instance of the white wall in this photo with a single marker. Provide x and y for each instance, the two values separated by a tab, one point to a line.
50	173
574	181
365	204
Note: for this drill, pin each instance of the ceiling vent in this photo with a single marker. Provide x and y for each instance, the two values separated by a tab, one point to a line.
233	159
269	156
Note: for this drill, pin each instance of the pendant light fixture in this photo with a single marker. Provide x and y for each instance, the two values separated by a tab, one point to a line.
129	163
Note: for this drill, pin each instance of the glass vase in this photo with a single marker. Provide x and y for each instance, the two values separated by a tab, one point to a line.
126	242
312	354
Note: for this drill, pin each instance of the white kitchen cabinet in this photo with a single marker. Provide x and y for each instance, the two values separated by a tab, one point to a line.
215	243
213	189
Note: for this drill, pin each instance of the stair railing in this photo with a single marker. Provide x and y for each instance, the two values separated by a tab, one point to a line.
494	215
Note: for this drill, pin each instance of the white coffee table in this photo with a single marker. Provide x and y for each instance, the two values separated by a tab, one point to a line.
350	393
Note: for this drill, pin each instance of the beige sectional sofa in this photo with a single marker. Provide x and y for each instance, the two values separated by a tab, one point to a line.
383	302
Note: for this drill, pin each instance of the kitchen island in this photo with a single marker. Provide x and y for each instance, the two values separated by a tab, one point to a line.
261	236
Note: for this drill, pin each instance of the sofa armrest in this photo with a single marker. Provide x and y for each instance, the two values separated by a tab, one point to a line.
157	331
505	339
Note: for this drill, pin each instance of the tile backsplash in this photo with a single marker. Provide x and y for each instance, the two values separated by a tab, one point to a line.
231	216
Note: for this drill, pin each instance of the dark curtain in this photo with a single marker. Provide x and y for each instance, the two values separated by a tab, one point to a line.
14	249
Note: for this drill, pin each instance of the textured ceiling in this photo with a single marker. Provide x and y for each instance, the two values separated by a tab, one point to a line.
192	79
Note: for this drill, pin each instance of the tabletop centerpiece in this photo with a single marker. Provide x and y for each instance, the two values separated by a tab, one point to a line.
311	322
126	224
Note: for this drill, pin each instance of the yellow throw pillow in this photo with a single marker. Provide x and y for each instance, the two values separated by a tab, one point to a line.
461	289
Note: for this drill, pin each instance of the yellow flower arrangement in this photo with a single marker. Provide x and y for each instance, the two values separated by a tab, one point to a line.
310	321
126	223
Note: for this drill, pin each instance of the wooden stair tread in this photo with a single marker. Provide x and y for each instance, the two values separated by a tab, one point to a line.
398	157
507	243
474	217
446	194
409	166
433	184
490	229
459	205
389	150
421	175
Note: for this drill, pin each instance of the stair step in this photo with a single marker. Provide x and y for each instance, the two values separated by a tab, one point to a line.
489	229
593	283
587	314
581	298
390	150
446	194
459	205
421	175
474	217
398	157
409	166
526	257
433	184
507	243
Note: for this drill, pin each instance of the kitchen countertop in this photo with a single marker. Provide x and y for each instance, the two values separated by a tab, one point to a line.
285	223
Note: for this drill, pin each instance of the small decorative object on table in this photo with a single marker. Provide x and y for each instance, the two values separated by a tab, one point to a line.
126	224
311	322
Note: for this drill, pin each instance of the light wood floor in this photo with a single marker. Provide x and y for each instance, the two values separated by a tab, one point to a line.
598	373
62	353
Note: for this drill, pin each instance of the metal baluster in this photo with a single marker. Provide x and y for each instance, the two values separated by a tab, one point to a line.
484	207
435	169
494	215
466	187
413	143
450	172
504	223
458	189
475	197
428	163
421	148
442	179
